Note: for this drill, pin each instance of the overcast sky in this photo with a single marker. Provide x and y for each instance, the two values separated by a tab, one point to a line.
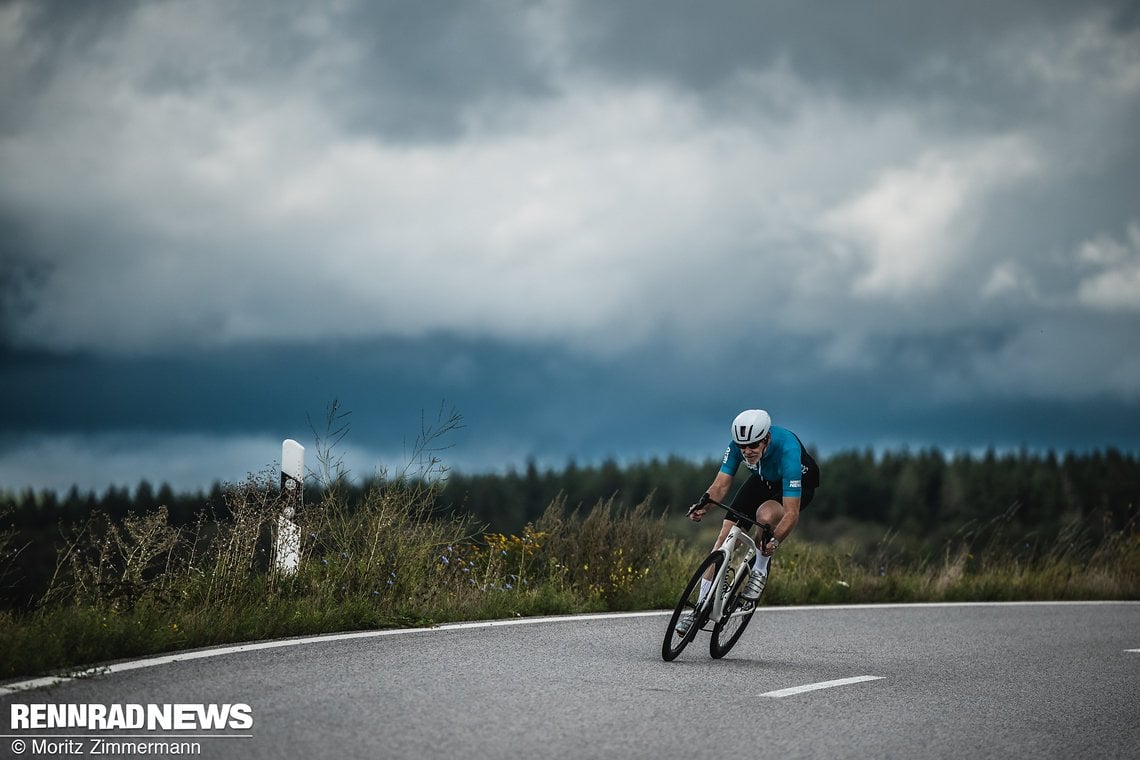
594	229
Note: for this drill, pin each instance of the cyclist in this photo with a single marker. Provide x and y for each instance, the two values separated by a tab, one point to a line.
783	482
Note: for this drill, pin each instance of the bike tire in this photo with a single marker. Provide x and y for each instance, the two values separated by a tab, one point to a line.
727	631
673	643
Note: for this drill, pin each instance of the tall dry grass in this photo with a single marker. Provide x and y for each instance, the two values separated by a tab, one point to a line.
144	585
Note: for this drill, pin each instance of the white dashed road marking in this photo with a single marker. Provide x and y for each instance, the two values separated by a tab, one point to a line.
821	685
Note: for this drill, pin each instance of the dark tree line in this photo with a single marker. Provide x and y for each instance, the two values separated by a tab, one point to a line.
926	493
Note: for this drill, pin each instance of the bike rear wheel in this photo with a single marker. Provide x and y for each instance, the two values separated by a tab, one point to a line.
727	631
689	603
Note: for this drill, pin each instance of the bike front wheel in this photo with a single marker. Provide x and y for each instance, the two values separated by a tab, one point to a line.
738	613
690	603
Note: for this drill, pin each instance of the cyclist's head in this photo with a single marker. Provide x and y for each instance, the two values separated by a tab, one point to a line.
751	426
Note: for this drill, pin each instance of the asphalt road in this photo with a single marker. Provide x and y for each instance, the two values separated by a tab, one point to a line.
972	681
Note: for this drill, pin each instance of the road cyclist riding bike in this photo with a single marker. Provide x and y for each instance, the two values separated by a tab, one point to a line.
783	482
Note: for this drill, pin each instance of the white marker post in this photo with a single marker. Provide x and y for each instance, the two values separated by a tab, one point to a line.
287	550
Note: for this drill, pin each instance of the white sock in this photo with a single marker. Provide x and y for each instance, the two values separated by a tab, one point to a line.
706	584
761	564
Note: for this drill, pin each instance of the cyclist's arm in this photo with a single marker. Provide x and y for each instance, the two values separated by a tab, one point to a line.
718	491
791	466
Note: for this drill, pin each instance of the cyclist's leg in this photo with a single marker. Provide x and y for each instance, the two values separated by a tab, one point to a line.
725	527
762	498
751	495
706	581
768	514
771	511
729	521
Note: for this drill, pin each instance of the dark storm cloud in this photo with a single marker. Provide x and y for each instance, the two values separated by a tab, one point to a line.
521	402
402	71
21	275
596	228
421	67
55	34
895	50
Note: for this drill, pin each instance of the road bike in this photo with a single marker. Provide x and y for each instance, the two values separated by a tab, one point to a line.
722	610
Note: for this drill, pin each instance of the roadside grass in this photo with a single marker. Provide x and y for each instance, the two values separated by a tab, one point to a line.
987	562
144	586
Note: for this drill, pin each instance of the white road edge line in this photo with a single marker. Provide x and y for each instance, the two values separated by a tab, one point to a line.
149	662
821	685
35	683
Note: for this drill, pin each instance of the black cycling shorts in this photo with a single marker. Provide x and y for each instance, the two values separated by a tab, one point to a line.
756	491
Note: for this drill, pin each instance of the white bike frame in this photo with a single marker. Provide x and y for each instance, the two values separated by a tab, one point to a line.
718	606
738	549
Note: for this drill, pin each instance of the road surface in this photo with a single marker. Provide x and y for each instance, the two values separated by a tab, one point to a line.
912	681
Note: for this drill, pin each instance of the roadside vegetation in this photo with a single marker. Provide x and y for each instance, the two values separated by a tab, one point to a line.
398	555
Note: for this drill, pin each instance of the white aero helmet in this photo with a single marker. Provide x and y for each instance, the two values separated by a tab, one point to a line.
751	426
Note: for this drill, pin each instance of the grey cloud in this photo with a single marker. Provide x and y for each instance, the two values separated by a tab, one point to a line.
401	71
404	70
627	177
22	276
892	50
423	66
55	34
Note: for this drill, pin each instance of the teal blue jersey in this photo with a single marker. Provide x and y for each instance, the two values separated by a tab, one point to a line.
784	461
